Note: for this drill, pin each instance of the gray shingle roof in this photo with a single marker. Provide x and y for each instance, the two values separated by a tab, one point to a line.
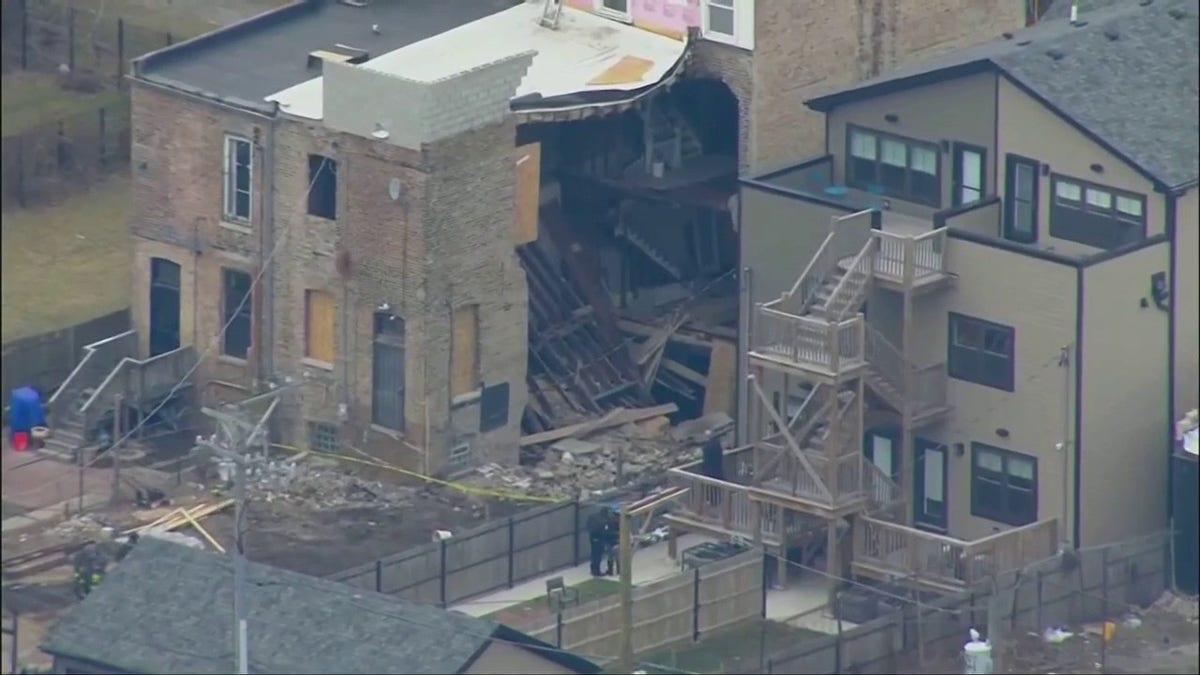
168	608
1128	75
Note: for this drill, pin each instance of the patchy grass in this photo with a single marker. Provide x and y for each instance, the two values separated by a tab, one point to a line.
526	614
36	99
743	649
66	263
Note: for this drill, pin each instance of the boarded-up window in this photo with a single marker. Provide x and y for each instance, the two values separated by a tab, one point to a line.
319	324
529	179
464	357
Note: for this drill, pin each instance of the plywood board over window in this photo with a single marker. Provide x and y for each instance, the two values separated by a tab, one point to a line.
529	179
464	356
319	342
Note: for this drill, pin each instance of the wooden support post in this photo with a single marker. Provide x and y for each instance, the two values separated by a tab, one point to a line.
908	459
626	562
833	565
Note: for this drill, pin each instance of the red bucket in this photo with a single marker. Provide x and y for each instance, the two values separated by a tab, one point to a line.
20	441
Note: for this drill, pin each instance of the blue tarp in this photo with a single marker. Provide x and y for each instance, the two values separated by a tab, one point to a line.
25	410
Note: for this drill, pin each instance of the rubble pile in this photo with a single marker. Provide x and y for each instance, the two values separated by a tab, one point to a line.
1178	605
590	467
321	487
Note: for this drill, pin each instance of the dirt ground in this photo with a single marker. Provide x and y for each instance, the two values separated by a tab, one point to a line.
1163	638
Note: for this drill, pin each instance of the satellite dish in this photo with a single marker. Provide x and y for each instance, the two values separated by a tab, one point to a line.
394	189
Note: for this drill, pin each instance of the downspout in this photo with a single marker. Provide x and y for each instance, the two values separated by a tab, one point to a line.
265	299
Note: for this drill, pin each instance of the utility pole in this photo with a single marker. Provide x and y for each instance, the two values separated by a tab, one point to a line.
238	432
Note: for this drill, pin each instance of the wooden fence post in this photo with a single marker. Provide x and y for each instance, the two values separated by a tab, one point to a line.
120	53
102	125
511	553
379	576
71	38
695	604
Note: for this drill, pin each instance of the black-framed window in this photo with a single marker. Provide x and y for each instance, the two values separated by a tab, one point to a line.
1095	215
235	313
981	352
898	167
1003	485
970	174
1021	195
322	193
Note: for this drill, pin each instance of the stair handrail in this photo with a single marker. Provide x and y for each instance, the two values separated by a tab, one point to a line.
886	358
876	476
857	270
810	270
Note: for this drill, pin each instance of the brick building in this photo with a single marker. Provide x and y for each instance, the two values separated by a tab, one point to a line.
435	203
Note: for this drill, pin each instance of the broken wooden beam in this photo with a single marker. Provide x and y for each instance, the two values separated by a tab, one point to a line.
614	418
685	372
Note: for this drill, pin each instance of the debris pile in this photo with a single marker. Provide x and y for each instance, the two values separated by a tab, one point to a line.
1178	605
587	466
297	480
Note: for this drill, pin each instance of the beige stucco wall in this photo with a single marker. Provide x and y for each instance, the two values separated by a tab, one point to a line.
962	109
501	657
1124	399
1037	298
1186	288
1068	152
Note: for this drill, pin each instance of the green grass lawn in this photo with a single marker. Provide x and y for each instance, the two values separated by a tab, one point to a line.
738	650
66	263
35	99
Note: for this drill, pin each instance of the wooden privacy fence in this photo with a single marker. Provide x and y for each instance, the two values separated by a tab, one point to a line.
1063	591
46	360
680	609
499	554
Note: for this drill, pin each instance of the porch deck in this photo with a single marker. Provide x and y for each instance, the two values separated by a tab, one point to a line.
891	552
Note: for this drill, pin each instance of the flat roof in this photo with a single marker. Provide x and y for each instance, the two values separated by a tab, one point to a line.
586	59
250	60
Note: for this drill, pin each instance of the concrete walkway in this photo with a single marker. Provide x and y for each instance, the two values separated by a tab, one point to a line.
802	605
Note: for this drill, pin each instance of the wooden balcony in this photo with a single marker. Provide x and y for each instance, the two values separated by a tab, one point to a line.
892	552
911	262
807	345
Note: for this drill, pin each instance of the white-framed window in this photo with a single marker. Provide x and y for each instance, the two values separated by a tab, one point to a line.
728	21
239	174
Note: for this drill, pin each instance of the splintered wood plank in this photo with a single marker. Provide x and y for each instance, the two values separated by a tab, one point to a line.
529	184
722	369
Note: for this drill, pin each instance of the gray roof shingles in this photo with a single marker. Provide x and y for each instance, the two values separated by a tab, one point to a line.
168	608
1128	75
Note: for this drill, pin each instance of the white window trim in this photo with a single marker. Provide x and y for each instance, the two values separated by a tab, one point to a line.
743	25
626	16
229	200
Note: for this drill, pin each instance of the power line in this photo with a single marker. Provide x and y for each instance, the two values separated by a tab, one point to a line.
216	342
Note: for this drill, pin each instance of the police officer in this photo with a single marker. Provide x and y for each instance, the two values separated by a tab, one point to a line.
89	567
597	526
612	539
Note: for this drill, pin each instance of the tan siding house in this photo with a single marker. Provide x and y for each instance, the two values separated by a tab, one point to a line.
1016	324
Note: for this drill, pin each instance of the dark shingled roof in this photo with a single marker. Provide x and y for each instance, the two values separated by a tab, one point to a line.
168	608
246	62
1128	76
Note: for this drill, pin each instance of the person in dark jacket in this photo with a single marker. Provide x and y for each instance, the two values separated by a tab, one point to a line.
597	534
712	458
612	540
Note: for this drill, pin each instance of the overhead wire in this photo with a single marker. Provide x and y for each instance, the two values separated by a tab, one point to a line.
215	344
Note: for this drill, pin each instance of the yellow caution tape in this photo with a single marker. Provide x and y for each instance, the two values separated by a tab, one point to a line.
461	487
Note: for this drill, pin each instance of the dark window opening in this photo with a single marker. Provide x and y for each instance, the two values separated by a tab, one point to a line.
1021	200
235	315
322	195
493	407
165	283
387	372
981	352
1095	215
970	174
1003	485
898	167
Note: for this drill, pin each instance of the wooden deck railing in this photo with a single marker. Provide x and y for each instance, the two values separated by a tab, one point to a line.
907	552
848	295
909	260
807	341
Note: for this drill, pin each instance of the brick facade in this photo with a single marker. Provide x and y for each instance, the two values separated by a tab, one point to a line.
446	240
